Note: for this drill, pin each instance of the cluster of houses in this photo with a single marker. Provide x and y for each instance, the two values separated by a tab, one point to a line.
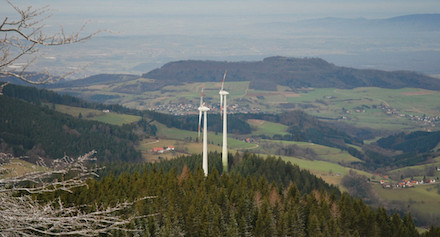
406	183
432	121
161	150
184	109
175	109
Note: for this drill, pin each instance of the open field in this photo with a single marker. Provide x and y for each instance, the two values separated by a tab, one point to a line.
17	167
418	170
97	115
422	199
261	127
324	153
362	106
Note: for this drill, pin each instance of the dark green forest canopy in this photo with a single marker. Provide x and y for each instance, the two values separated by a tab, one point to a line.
417	142
37	96
27	129
273	169
235	204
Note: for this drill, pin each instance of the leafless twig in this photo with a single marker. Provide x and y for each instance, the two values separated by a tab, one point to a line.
21	39
22	215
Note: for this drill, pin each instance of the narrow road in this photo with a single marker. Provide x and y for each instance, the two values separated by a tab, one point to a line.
152	142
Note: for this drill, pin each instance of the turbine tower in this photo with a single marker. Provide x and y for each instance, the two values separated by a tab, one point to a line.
204	109
223	114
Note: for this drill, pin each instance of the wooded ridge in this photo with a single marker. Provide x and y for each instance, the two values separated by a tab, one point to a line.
291	72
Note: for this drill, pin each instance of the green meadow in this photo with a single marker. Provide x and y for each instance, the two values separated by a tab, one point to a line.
324	153
261	127
97	115
361	106
421	199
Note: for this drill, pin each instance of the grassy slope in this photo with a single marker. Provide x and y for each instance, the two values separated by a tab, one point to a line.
110	117
261	127
420	199
407	100
325	153
17	167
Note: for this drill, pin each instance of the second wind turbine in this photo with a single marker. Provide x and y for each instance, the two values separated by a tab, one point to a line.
204	109
223	114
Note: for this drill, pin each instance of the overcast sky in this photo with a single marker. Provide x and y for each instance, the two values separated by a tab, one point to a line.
168	30
132	16
306	8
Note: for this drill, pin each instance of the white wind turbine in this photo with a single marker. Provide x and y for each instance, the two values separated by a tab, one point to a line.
223	114
204	109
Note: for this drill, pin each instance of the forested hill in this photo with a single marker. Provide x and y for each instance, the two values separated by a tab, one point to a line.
28	129
245	202
291	72
415	142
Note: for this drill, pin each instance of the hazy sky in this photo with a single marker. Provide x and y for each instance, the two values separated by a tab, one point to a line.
312	8
169	30
132	16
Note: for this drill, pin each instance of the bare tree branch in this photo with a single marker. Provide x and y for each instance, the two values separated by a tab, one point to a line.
22	215
21	39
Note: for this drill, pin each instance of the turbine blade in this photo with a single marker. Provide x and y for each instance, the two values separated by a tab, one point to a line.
200	122
224	77
201	97
221	106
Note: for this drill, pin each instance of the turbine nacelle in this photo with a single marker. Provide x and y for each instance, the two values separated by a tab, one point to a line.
203	108
223	92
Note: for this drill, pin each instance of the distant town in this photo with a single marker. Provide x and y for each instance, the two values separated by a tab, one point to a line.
185	109
426	120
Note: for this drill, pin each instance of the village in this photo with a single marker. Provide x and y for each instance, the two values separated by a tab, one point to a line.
426	120
405	183
390	111
185	109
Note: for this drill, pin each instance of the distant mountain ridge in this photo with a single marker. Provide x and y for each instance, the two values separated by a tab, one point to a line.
292	72
414	22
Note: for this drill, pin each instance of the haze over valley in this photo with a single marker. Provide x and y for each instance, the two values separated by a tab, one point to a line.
141	36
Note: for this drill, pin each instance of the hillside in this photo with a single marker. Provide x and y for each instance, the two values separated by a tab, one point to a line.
33	130
417	142
291	72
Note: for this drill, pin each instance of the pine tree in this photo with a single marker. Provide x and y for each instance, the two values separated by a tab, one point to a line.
313	227
264	225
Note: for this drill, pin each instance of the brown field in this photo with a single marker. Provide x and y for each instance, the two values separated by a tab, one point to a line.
291	94
255	121
286	94
420	92
97	87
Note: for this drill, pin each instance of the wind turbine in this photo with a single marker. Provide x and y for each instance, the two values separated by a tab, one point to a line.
223	114
204	109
